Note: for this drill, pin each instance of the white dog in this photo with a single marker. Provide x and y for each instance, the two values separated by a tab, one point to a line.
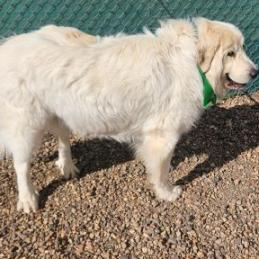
145	87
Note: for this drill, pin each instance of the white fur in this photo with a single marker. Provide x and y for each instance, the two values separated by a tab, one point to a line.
144	88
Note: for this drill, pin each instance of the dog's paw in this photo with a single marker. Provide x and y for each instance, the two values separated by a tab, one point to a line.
168	193
28	202
68	170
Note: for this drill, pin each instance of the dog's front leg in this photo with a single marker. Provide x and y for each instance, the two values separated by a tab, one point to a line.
156	151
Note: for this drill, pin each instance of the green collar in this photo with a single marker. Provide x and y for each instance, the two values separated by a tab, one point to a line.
209	97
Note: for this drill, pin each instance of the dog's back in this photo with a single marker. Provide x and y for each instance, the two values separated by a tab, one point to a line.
67	36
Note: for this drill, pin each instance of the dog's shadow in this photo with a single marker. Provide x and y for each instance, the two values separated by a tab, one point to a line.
221	133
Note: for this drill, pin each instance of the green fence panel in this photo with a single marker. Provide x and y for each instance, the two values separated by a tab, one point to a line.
106	17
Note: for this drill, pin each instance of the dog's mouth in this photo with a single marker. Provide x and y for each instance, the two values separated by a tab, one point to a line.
232	85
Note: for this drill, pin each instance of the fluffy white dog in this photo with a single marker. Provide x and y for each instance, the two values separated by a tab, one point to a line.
145	87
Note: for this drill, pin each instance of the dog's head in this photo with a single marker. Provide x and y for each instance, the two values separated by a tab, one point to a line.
222	57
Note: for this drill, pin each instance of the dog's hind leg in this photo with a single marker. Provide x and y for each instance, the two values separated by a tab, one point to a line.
64	162
21	149
156	151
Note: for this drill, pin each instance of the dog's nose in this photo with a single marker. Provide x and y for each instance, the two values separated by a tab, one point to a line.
253	72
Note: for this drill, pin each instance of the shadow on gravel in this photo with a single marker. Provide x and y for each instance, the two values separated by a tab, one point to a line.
90	156
222	134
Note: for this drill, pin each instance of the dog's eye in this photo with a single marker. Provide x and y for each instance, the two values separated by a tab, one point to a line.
231	54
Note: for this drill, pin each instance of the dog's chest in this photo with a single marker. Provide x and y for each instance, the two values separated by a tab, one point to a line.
185	112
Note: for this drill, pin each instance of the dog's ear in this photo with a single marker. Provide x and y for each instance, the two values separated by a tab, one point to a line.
208	45
206	55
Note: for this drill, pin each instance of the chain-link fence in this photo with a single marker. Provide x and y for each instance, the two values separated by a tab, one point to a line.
111	16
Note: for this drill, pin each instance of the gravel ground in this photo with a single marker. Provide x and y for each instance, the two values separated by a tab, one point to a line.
110	211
